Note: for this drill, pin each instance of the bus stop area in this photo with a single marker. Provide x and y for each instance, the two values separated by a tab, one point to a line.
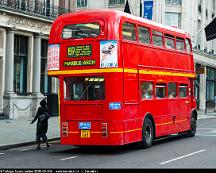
19	132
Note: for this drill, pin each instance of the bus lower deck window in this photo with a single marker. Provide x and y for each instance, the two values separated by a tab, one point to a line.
160	90
183	90
84	88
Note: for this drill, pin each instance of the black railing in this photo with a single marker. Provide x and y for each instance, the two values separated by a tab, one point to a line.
34	8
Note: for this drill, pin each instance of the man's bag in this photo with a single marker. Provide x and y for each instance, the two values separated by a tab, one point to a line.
44	117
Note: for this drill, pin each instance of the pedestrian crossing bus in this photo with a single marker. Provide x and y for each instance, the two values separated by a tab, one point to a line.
122	79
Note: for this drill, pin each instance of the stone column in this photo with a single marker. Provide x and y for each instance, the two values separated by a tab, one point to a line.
203	90
203	16
9	63
36	65
9	94
37	96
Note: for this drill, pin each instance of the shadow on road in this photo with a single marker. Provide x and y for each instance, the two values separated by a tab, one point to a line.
112	150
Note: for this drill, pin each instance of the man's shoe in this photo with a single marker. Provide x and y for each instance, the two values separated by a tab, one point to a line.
48	145
38	148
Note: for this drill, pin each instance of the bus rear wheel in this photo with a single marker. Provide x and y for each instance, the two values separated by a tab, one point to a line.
147	133
193	125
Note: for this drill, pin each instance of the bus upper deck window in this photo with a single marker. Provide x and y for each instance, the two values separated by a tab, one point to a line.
157	38
128	31
169	41
144	36
82	30
188	47
180	44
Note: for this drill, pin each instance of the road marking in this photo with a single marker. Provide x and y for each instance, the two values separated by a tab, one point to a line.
73	157
2	153
200	134
162	163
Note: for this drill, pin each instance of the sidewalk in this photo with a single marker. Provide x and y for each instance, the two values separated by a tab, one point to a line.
209	114
19	131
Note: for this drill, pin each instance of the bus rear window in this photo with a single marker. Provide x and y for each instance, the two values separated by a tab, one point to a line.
84	88
82	30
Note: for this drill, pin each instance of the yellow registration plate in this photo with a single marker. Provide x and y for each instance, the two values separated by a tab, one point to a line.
85	133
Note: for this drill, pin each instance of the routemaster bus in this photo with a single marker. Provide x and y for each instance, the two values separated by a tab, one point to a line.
122	79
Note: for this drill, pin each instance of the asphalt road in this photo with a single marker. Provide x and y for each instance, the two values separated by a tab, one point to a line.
174	152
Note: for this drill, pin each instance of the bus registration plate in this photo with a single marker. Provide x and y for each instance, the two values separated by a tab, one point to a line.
85	133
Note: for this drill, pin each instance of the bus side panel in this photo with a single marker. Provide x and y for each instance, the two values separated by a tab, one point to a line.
131	106
130	51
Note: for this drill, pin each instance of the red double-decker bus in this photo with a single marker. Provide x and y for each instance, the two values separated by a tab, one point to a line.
123	79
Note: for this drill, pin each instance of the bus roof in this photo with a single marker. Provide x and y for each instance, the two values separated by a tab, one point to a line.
116	14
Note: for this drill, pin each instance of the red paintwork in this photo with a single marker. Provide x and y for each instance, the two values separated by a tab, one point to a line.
124	126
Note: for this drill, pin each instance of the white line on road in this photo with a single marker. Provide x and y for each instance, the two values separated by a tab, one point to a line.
2	153
73	157
162	163
199	134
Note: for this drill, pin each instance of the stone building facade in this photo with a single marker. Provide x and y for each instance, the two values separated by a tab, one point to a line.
24	32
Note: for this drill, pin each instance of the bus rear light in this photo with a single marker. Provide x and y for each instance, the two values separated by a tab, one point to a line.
64	129
104	130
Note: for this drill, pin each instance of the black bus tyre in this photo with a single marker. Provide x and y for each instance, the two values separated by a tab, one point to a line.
193	125
147	133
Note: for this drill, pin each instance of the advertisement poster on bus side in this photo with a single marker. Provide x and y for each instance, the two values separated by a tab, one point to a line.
108	54
53	57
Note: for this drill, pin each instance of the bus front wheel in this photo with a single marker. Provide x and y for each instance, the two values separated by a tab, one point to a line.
147	133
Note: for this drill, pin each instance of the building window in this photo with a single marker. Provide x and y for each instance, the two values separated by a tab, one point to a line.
211	84
116	2
173	19
20	64
45	81
173	2
81	3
